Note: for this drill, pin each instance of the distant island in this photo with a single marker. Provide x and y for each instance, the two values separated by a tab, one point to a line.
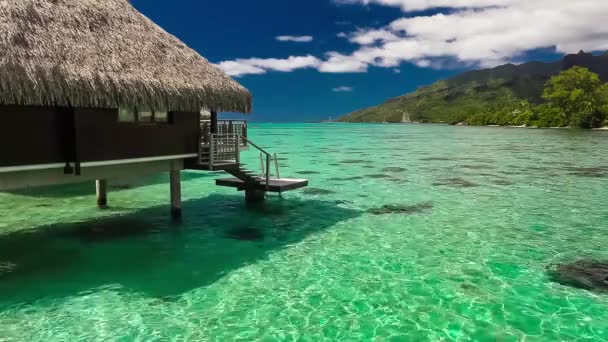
569	93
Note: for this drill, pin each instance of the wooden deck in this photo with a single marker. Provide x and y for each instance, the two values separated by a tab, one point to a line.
275	185
221	152
217	166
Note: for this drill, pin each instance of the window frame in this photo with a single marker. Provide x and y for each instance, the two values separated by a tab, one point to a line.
136	114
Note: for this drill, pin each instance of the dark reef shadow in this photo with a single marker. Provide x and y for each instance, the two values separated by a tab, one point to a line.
354	161
340	179
305	172
590	172
143	252
317	191
456	183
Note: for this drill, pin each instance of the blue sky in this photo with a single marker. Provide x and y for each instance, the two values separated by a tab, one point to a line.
358	53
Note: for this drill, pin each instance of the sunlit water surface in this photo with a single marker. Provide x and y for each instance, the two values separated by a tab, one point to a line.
485	212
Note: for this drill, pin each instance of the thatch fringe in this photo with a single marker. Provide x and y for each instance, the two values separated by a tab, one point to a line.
104	54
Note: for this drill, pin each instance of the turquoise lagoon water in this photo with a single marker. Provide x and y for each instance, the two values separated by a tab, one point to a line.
485	212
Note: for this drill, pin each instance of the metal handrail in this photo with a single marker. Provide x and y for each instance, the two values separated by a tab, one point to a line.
268	158
254	145
229	146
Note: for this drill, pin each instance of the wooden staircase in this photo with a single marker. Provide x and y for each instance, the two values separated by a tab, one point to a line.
222	153
245	175
245	180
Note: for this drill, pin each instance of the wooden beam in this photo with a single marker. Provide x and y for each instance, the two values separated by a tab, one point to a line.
55	176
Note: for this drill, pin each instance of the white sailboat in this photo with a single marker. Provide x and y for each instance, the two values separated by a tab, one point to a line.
406	117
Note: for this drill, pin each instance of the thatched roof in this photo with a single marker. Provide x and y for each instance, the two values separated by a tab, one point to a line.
104	53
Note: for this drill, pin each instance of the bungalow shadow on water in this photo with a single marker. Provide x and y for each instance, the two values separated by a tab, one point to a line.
144	252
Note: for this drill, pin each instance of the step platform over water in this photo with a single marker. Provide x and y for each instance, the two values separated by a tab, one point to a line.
274	185
221	152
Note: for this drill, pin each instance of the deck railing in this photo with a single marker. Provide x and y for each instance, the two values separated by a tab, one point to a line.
224	148
224	127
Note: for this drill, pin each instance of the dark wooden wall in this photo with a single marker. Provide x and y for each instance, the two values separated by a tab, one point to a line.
40	135
101	137
30	135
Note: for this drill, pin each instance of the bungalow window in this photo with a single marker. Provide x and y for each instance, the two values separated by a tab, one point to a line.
161	117
145	117
133	115
126	115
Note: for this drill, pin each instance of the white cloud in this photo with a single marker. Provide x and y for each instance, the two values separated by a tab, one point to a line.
420	5
240	67
339	63
423	63
295	39
474	32
497	31
343	89
258	66
369	37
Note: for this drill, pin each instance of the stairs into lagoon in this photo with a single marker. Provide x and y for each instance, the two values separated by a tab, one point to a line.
244	179
221	152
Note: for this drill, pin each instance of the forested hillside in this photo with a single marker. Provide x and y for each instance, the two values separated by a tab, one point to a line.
475	93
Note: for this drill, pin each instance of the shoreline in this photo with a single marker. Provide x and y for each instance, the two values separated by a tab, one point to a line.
605	128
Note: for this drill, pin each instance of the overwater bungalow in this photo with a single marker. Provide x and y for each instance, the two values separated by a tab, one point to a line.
94	90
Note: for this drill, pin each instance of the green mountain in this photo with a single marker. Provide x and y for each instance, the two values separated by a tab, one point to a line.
454	99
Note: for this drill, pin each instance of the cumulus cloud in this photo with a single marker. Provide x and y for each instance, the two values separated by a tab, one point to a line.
367	37
295	39
420	5
339	63
343	89
496	31
256	66
471	32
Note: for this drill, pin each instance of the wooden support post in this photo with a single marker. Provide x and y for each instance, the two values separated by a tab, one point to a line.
176	194
214	128
101	186
199	142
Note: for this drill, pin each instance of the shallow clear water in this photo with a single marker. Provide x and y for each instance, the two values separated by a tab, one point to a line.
487	210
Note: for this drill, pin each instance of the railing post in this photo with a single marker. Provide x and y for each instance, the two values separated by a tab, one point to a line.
267	170
214	128
200	137
237	144
262	165
276	166
200	149
205	131
245	133
211	151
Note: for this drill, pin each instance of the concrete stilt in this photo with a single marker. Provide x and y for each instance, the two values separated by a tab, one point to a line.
176	194
253	195
101	187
